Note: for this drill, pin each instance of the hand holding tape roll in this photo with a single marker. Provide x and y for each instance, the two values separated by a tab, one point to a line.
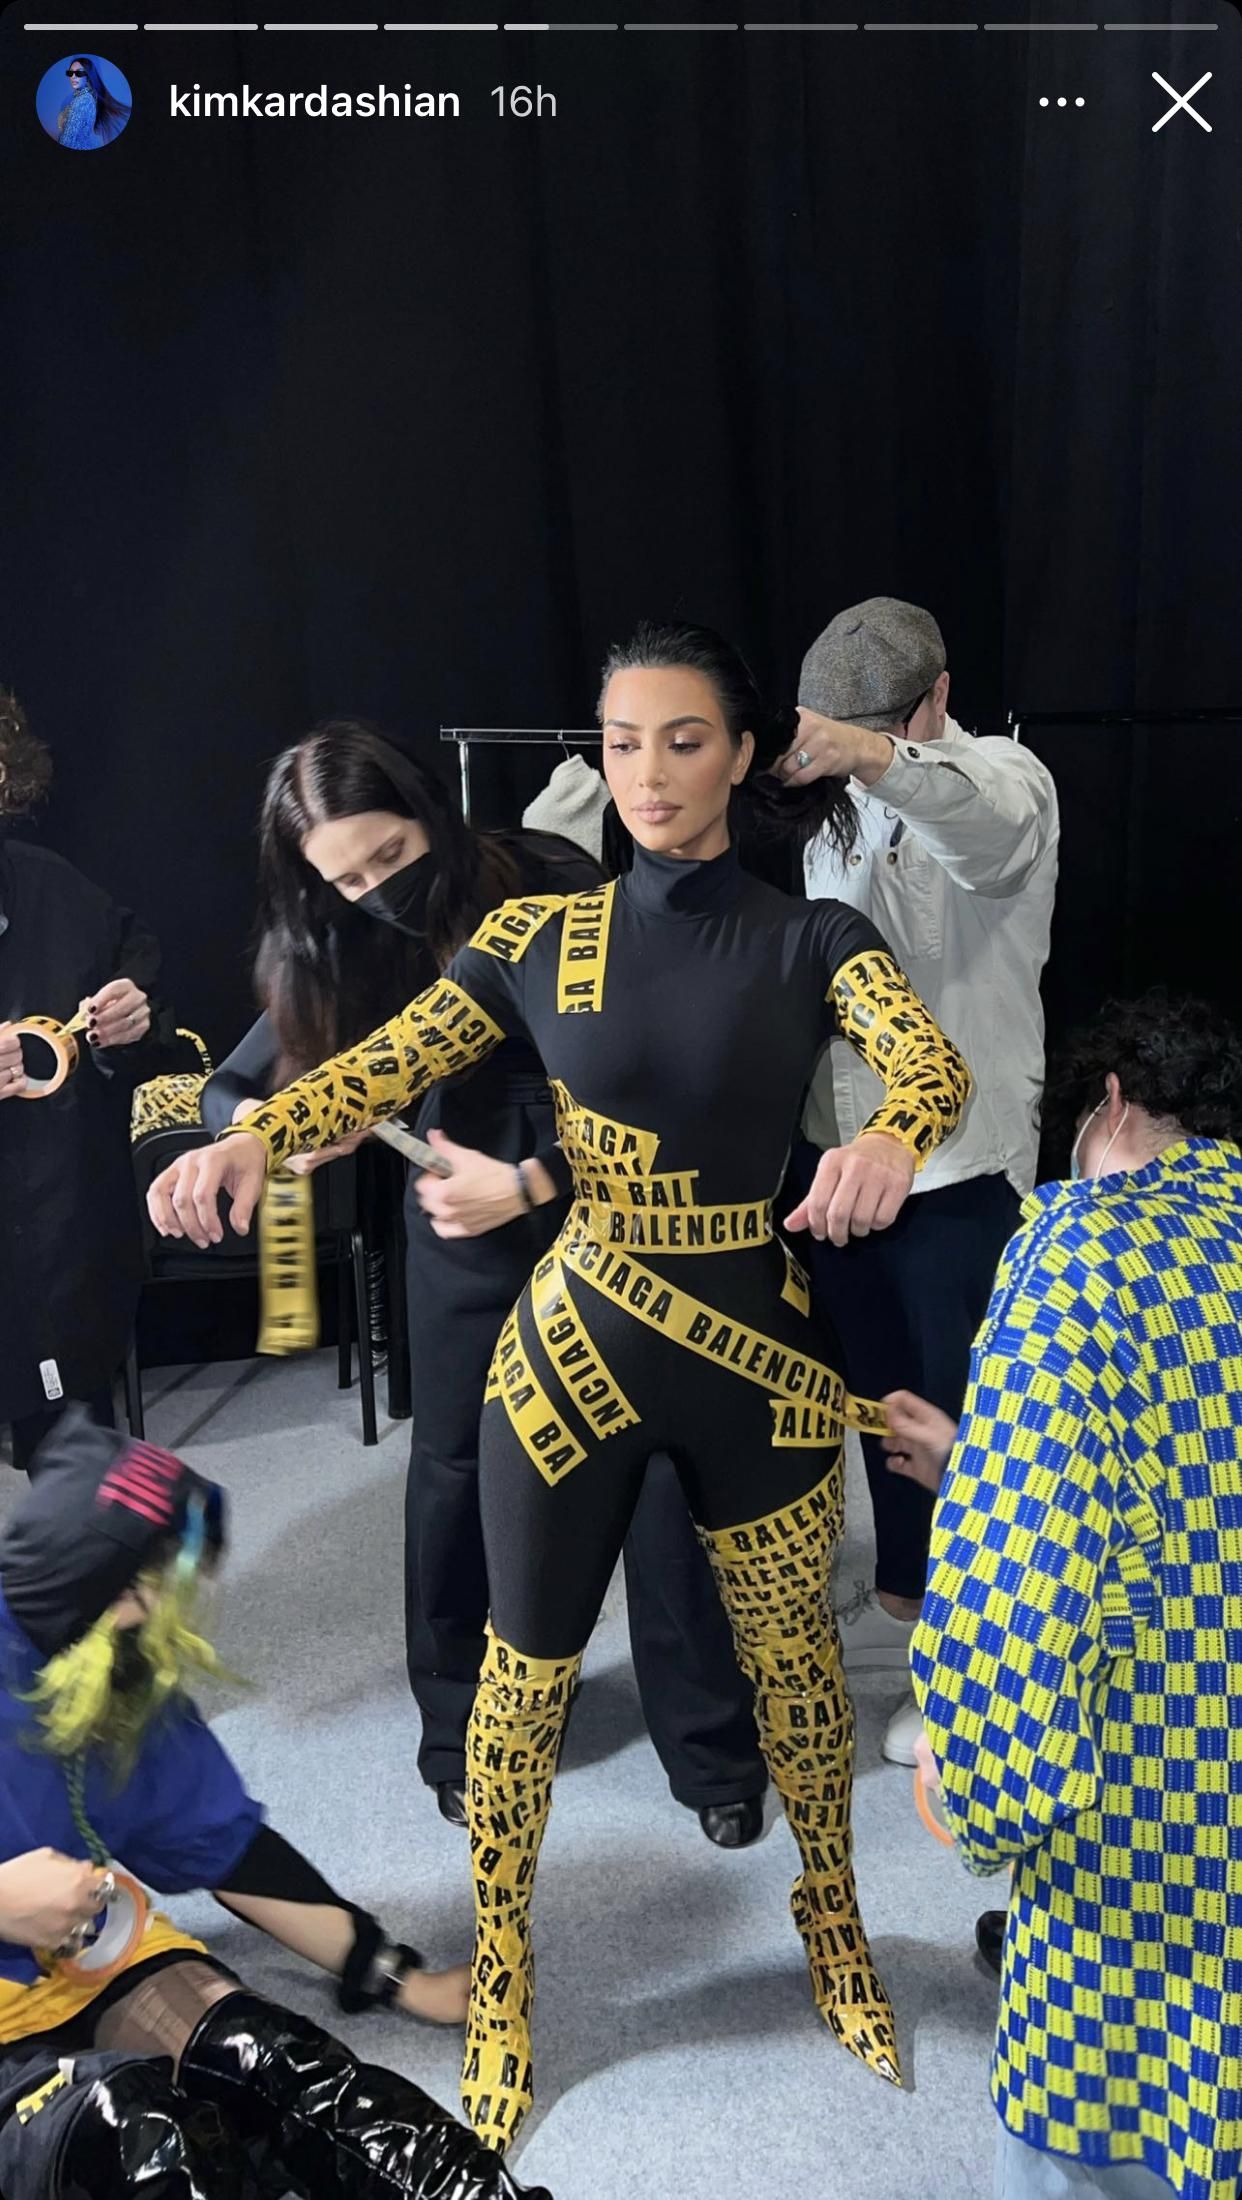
108	1942
37	1055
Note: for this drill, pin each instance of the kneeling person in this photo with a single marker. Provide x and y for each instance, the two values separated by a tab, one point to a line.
166	2076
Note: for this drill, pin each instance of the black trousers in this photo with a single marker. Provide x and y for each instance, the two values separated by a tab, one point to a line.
905	1305
697	1704
28	1433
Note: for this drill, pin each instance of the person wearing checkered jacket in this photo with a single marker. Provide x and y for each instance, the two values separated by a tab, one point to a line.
1079	1659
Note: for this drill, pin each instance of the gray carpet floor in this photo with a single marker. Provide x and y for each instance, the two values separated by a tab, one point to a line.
677	2048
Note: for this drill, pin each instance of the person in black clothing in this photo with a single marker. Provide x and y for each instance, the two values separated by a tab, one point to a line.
72	1266
679	1014
369	882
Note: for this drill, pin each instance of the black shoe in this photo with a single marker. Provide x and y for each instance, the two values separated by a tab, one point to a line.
733	1825
451	1797
990	1938
334	2125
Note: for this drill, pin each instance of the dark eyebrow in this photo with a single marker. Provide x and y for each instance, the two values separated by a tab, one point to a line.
352	868
670	725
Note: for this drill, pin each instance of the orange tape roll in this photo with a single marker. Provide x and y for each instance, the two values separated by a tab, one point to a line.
930	1809
59	1041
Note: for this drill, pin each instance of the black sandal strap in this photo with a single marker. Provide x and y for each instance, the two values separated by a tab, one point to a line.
375	1968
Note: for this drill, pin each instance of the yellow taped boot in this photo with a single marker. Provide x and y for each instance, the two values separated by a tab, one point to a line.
512	1747
773	1577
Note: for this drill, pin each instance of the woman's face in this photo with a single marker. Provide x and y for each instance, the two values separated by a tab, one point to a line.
670	761
77	77
356	853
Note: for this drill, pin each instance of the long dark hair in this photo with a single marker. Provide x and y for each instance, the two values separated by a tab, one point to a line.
111	114
327	973
767	817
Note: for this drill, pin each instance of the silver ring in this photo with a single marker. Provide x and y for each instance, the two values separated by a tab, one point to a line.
802	760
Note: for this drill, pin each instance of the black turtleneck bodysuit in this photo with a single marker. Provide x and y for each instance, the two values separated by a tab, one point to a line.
679	1014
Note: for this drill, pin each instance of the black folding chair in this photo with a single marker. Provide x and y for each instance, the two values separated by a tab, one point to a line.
340	1243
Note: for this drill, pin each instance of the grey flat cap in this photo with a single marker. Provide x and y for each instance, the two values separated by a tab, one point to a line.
872	662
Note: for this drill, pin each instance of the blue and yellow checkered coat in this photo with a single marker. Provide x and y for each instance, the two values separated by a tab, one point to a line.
1079	1664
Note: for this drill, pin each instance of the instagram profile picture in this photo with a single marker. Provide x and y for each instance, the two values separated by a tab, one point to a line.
83	102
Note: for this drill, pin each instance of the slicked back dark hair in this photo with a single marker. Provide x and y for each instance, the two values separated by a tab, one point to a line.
763	808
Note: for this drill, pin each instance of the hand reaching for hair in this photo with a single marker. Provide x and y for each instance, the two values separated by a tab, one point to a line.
833	750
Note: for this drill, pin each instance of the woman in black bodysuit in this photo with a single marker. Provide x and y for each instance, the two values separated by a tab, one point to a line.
679	1014
369	881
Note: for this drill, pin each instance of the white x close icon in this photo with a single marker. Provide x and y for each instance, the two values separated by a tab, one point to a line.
1182	100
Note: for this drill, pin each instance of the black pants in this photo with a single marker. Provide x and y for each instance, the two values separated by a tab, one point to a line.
28	1433
743	1451
697	1704
905	1305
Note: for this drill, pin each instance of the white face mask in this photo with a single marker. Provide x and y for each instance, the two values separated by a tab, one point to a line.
1075	1162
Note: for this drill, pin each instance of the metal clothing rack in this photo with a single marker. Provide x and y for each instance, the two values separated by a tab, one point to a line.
589	737
1020	718
530	737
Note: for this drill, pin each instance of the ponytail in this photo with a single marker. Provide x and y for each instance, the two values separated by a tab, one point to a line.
773	810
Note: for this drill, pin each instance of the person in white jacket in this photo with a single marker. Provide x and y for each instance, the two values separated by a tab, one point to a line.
956	863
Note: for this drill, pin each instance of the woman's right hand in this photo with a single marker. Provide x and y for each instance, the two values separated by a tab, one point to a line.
44	1897
12	1068
183	1202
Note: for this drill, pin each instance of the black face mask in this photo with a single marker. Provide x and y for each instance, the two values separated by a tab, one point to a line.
402	899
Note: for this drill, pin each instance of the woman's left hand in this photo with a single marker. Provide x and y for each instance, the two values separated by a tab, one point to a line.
119	1016
858	1188
480	1195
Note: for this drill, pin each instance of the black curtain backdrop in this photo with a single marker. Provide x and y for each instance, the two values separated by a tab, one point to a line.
409	419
